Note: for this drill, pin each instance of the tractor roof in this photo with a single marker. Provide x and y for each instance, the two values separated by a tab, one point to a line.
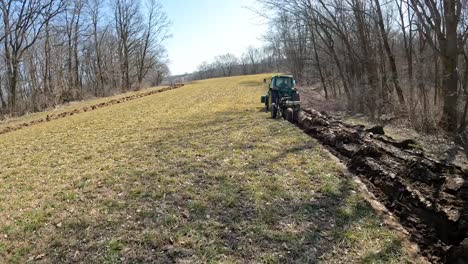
282	75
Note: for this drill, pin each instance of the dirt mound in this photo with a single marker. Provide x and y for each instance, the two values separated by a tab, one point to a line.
85	109
429	197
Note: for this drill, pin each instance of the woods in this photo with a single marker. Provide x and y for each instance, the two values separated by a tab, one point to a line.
252	61
57	51
401	58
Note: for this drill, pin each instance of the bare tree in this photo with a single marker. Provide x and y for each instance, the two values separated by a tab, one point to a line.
56	51
94	10
388	50
226	63
23	20
443	19
127	22
357	41
155	32
253	55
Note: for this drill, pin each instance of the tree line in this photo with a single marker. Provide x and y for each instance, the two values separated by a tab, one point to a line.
56	51
252	61
404	57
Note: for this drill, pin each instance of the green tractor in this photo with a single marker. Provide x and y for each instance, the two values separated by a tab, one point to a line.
282	99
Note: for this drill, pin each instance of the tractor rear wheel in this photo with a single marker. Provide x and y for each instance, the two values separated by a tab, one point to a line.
274	111
289	115
296	115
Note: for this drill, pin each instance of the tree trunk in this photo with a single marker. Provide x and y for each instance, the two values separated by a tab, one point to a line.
13	85
2	99
319	68
47	75
463	121
420	77
450	76
368	57
390	55
436	77
384	89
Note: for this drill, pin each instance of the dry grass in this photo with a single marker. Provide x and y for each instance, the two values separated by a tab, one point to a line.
193	175
67	107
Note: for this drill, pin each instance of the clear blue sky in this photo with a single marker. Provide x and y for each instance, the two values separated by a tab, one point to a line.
203	29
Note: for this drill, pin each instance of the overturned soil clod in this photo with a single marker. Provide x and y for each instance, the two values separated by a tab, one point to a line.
429	196
86	109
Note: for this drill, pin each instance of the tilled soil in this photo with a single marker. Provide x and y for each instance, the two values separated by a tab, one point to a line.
85	109
430	197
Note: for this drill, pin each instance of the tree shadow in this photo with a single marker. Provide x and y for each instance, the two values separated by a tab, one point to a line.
295	229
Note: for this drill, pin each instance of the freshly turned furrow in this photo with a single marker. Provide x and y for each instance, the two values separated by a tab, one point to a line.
85	109
429	197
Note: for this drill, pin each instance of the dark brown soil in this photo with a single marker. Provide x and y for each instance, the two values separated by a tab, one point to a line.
429	197
85	109
445	147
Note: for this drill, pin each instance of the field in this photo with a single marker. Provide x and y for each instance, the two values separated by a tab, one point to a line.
194	175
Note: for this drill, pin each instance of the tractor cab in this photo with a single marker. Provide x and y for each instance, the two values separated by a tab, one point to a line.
283	84
282	98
